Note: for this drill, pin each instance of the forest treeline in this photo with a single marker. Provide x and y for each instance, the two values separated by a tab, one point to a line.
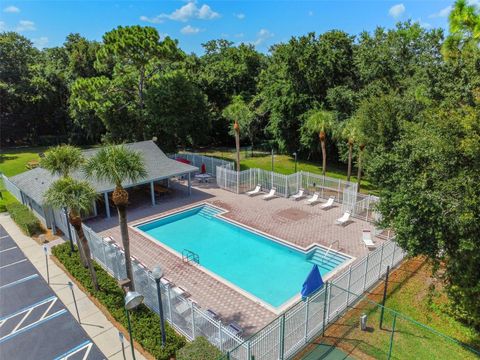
405	100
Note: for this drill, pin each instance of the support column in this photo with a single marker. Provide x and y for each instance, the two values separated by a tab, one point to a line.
152	192
189	184
95	212
107	205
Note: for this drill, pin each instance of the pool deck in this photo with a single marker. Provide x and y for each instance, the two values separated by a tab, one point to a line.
294	222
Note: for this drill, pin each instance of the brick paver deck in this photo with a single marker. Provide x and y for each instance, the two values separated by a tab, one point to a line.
294	222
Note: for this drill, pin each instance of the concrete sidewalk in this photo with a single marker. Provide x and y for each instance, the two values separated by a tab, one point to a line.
97	326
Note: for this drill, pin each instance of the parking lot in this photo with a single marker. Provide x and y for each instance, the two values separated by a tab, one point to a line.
34	322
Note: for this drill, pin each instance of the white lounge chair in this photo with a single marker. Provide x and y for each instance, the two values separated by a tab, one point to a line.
328	204
298	195
314	199
254	191
270	195
367	239
344	219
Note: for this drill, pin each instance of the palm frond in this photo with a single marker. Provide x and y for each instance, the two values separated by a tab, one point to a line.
116	164
62	160
75	195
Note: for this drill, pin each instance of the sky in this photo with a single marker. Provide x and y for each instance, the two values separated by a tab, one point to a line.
193	22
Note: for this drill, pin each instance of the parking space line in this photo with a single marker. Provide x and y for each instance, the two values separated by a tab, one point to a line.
19	281
85	345
14	247
4	236
15	263
31	326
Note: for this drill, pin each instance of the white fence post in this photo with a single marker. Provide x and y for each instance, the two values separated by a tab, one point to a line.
192	307
393	254
220	334
381	261
169	304
348	284
366	270
306	319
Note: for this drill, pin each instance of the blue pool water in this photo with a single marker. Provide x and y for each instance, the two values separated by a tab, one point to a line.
268	270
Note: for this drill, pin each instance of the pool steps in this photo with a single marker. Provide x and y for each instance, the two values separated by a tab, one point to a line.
327	261
208	212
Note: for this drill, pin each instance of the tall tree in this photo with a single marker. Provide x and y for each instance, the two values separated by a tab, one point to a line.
240	111
464	26
77	197
350	133
118	164
318	122
136	55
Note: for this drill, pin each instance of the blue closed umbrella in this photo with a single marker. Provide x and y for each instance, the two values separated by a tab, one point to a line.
313	282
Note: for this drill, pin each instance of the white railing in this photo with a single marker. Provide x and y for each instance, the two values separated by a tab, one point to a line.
210	163
184	315
303	322
345	192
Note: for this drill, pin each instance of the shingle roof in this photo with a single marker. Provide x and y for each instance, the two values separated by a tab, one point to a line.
35	182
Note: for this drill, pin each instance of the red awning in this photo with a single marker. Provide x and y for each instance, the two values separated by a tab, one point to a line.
183	160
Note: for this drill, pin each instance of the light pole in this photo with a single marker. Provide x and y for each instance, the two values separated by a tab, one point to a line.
295	154
157	273
132	300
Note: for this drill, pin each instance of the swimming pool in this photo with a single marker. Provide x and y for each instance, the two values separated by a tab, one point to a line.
268	270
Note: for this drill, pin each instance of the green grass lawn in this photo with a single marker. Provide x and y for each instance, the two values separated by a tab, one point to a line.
409	295
285	164
13	162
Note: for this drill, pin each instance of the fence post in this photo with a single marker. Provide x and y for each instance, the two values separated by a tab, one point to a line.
324	308
169	304
306	319
192	307
249	351
366	270
220	334
381	261
391	336
286	186
393	254
368	207
282	337
348	284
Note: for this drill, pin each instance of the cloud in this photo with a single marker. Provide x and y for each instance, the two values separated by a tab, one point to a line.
396	11
185	13
11	9
154	20
40	42
442	13
310	13
190	30
262	36
3	26
240	16
239	35
25	25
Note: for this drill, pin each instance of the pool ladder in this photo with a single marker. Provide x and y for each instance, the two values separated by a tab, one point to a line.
189	257
328	251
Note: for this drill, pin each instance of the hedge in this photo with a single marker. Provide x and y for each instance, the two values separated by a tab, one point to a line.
199	349
24	218
145	322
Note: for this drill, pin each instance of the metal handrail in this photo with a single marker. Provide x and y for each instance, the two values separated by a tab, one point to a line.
189	256
330	248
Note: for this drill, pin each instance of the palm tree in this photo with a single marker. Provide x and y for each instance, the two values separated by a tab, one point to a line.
361	148
350	133
62	160
236	128
320	121
76	196
118	164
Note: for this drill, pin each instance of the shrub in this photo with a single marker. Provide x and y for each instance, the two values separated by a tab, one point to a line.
24	218
199	349
145	323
